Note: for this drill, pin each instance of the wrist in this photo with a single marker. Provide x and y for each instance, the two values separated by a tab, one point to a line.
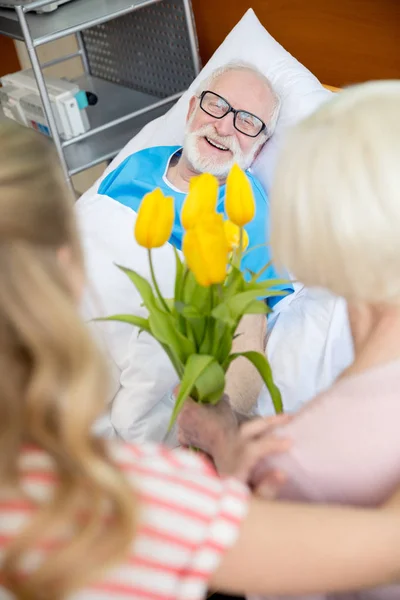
224	450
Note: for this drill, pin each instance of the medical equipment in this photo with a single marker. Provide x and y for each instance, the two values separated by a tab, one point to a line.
20	101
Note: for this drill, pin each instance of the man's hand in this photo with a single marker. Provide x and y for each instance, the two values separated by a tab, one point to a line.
212	429
215	431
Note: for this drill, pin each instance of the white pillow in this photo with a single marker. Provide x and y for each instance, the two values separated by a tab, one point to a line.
141	403
249	41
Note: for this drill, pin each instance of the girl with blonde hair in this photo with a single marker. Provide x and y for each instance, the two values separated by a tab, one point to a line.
81	517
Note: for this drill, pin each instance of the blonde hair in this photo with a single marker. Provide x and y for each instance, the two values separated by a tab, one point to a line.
52	383
335	201
249	68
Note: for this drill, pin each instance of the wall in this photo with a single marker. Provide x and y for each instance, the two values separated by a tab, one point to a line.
341	41
9	62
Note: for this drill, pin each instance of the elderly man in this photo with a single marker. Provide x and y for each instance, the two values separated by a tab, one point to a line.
229	120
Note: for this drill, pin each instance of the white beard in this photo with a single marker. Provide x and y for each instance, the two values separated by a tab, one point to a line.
219	167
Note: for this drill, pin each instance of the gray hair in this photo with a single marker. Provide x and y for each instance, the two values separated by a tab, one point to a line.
244	66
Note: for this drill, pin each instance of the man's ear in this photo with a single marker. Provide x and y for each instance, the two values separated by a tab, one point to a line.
192	106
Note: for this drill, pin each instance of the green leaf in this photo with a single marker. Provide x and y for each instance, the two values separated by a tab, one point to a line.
196	295
269	285
267	265
234	282
195	367
193	322
140	322
256	247
223	340
190	334
206	343
258	307
237	304
169	302
223	313
176	363
210	384
198	327
143	287
233	308
263	367
164	329
187	310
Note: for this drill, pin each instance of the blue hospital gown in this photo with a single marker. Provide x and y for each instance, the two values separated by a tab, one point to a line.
146	170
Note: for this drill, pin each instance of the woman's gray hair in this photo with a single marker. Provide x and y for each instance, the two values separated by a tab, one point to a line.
335	206
244	66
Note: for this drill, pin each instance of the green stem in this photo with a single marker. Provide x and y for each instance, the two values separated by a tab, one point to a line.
213	292
235	258
153	278
220	293
181	320
208	323
261	271
183	283
257	247
238	252
179	368
213	296
190	334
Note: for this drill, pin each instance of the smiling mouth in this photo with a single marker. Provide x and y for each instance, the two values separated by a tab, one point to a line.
217	146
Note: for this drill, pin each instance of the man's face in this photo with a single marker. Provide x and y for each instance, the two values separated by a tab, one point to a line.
213	145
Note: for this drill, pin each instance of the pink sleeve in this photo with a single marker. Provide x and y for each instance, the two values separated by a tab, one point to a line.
346	444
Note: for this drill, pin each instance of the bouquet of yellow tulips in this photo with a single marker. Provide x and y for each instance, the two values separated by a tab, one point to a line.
197	327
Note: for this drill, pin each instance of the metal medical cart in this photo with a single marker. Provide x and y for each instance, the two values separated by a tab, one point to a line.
138	57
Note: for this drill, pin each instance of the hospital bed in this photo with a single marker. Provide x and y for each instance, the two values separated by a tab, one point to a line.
309	343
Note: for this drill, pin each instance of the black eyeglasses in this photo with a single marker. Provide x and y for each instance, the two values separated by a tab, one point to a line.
216	106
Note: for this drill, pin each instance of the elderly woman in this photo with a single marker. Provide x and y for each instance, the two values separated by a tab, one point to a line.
336	225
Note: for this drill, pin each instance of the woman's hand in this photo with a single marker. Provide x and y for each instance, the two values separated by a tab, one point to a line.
259	434
255	443
236	452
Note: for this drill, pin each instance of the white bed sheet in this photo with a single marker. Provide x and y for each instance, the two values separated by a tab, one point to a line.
310	342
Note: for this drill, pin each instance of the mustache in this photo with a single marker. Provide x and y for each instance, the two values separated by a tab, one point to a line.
228	141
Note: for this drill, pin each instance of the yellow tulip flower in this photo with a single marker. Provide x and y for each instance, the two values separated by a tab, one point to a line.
239	201
154	220
232	233
201	199
206	250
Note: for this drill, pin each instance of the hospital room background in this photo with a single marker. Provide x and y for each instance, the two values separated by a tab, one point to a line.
340	41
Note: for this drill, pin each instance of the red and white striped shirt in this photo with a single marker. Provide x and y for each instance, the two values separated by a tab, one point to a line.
188	519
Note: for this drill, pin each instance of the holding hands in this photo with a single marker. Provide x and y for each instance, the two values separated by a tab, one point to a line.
236	450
